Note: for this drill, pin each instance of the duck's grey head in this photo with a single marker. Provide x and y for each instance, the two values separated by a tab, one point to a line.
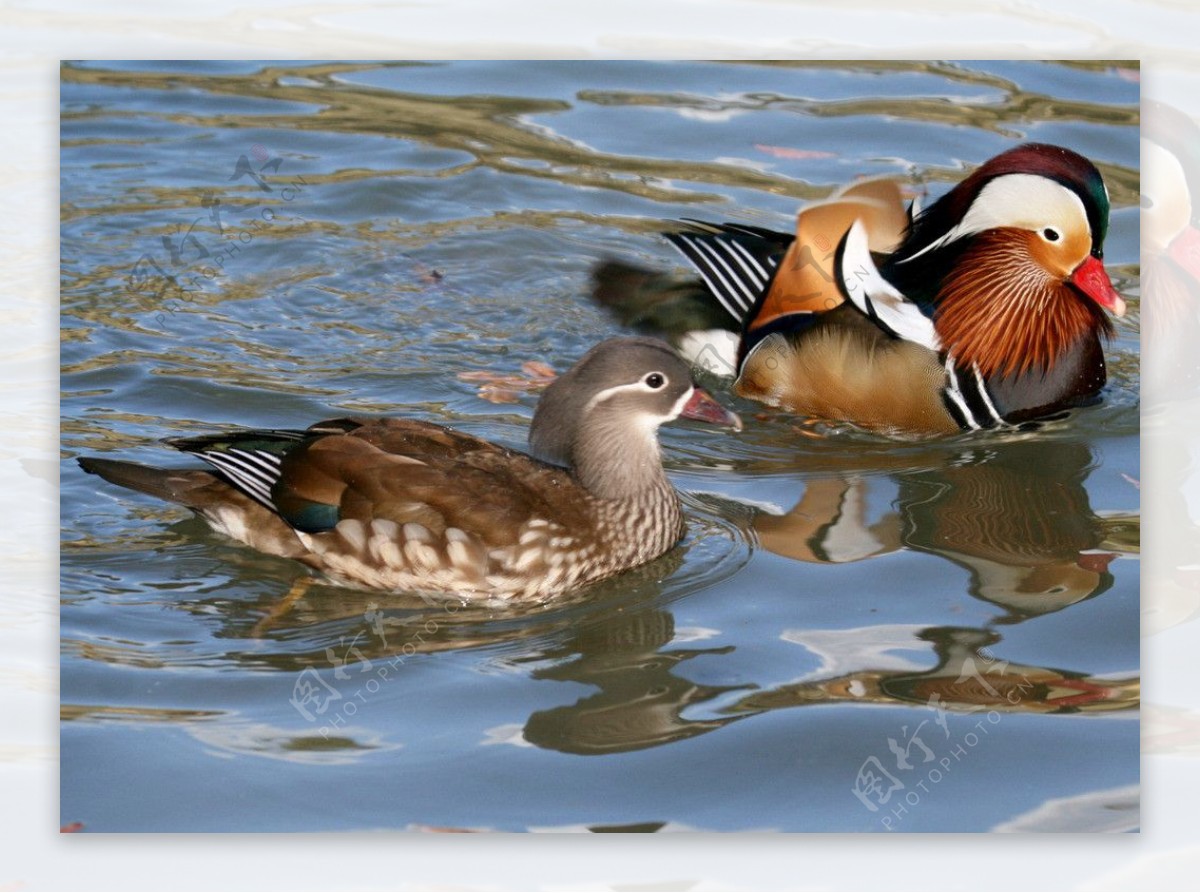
601	416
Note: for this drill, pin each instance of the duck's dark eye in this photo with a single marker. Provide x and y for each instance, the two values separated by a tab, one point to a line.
655	380
1050	234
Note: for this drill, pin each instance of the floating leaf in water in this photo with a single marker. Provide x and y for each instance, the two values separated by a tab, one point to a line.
500	387
796	154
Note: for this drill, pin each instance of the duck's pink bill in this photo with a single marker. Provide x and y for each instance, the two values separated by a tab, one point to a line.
703	408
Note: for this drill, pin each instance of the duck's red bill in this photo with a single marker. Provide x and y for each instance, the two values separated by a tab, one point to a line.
1091	278
703	408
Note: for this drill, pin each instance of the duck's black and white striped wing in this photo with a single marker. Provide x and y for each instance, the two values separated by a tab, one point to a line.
254	472
250	460
737	262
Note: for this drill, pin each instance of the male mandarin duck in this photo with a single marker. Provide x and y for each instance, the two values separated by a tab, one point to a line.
407	505
983	310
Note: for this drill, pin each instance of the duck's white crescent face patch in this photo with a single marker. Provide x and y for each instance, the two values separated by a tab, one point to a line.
1021	201
1026	201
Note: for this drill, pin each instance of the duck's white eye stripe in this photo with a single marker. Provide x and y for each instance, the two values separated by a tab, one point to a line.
637	387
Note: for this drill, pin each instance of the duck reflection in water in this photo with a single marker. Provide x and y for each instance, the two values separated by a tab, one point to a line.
641	699
1017	518
617	637
967	678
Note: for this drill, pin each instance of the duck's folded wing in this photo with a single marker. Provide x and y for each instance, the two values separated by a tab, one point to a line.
394	471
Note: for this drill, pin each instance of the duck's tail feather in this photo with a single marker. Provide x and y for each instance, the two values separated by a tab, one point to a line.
188	487
657	303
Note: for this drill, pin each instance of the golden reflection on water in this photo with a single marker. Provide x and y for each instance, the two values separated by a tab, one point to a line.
1019	521
494	130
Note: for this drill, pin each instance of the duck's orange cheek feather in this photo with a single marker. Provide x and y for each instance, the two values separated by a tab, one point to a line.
1061	258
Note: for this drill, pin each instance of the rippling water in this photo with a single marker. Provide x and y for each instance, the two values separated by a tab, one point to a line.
857	634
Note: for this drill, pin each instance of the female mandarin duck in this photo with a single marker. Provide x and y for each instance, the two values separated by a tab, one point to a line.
986	309
400	504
